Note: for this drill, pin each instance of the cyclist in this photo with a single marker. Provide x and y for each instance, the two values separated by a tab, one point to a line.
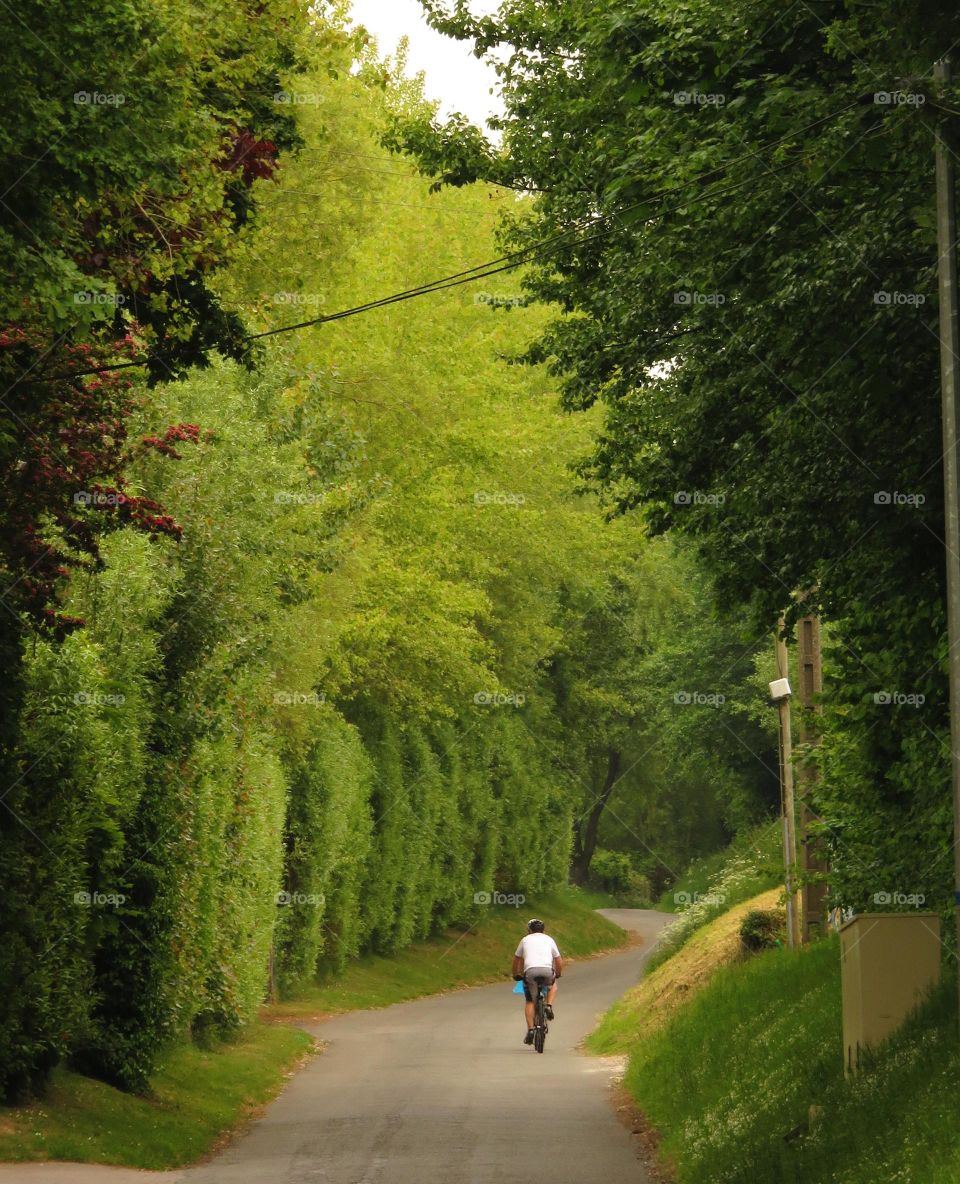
537	956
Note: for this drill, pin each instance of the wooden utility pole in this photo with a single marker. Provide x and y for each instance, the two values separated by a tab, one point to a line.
950	409
812	862
786	794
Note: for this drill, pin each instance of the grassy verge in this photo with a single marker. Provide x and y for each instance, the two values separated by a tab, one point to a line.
745	1083
667	988
197	1096
753	863
761	844
458	958
736	1062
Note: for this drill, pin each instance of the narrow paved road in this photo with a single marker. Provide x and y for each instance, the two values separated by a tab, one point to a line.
438	1091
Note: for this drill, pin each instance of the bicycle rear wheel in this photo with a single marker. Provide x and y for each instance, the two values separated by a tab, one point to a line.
540	1022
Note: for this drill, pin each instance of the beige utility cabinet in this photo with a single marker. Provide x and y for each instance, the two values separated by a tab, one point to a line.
888	963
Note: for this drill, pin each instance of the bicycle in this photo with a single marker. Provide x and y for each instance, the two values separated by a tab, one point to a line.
540	1025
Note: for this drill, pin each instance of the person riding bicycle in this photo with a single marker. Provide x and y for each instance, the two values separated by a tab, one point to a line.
537	957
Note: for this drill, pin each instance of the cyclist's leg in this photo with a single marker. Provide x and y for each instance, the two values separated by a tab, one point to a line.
528	993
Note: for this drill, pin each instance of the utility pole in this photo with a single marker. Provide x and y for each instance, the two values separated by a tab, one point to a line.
950	409
812	862
786	786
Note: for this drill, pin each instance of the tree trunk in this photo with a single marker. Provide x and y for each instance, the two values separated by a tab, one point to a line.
585	839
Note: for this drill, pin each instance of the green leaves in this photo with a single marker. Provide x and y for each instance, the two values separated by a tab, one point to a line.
760	325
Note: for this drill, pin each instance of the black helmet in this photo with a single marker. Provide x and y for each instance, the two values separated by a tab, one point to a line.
535	925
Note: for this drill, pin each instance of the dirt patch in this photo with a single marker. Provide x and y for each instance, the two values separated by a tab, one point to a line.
646	1138
295	1019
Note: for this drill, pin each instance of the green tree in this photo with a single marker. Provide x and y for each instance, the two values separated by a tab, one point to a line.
739	205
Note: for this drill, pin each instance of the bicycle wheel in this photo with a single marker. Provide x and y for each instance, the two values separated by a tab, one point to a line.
539	1037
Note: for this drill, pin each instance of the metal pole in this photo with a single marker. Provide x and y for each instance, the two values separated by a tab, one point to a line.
950	405
809	686
786	782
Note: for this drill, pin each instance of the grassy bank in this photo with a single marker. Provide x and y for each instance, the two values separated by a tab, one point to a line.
735	1060
197	1096
458	958
665	989
761	846
745	1083
753	863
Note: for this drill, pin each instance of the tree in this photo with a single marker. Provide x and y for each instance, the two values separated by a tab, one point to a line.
738	207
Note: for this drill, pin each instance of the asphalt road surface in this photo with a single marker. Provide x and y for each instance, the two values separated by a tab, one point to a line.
437	1091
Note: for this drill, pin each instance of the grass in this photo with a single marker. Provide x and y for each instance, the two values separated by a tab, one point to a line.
197	1096
667	988
753	863
737	1065
730	1079
763	842
458	958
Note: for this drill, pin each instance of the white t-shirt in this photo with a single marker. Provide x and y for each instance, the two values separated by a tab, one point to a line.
537	949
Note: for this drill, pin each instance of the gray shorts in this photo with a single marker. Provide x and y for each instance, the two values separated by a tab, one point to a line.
530	976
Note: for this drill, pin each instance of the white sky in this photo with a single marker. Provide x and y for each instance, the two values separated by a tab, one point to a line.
453	74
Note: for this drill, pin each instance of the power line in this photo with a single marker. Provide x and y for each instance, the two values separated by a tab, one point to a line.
517	258
460	278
